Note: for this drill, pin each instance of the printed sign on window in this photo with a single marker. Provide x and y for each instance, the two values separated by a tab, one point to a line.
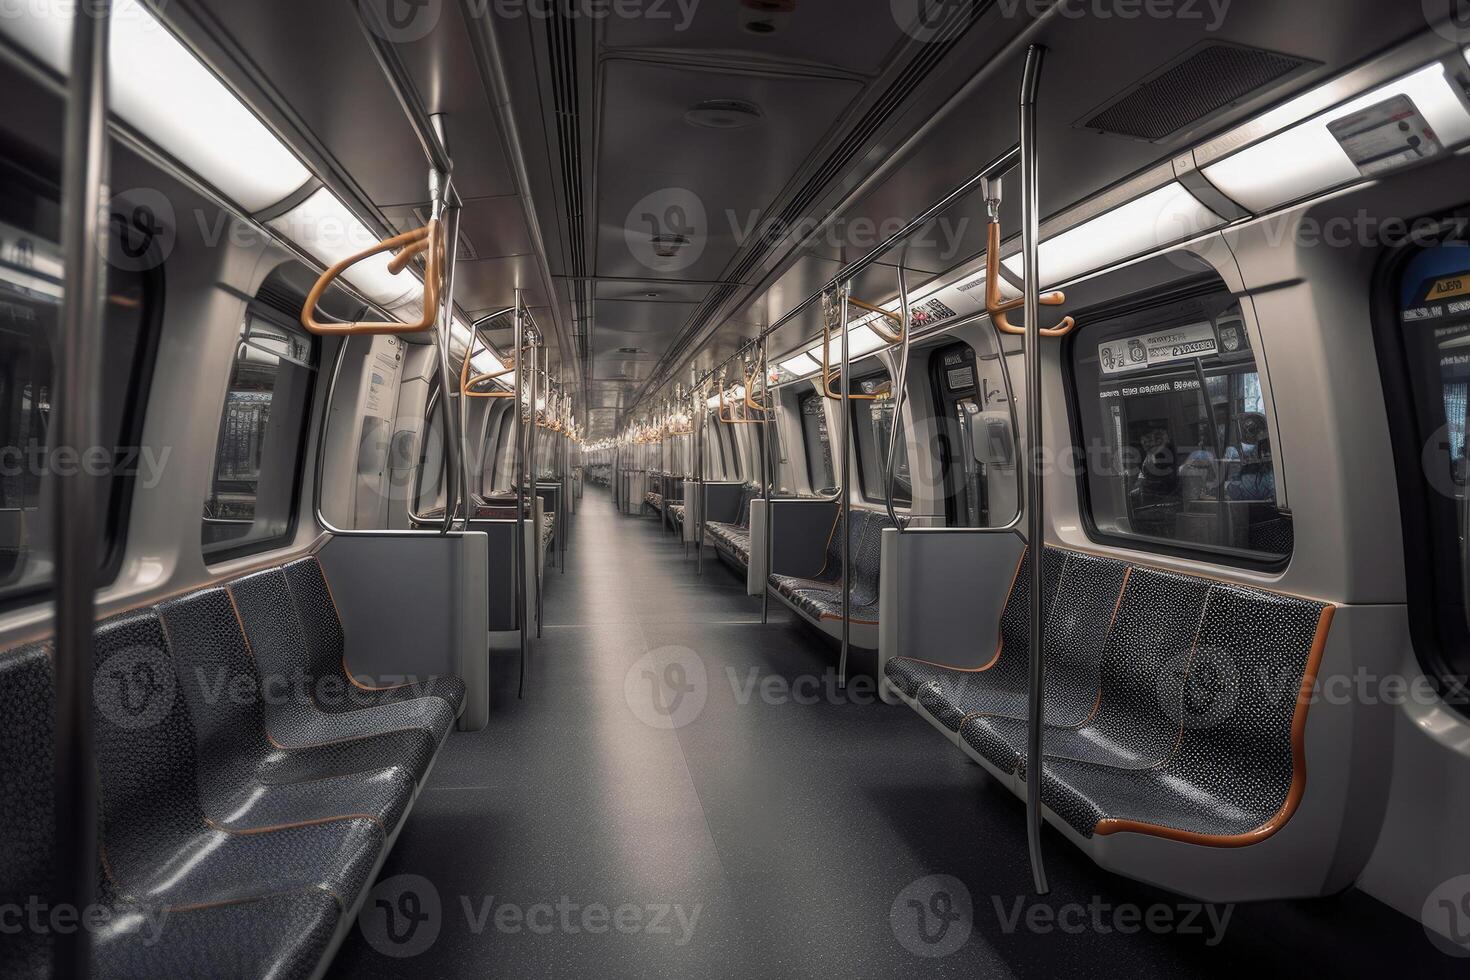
1152	350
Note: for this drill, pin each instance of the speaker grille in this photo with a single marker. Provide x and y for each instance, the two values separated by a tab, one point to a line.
1202	82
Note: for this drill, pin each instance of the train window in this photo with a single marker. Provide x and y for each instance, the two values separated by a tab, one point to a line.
1431	336
818	443
257	465
1176	448
872	425
30	307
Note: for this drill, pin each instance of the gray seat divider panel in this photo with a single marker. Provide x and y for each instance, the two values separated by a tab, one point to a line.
416	606
945	592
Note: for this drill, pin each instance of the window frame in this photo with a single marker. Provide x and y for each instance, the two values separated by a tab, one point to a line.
855	404
1201	286
120	488
1421	578
823	441
288	533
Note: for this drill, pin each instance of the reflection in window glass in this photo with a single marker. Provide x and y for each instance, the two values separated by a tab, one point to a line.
817	442
1434	330
1177	444
30	306
872	421
252	498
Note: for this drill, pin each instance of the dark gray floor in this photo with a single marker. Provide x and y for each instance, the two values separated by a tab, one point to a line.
790	832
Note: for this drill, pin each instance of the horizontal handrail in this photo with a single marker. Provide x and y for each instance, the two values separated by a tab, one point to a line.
430	239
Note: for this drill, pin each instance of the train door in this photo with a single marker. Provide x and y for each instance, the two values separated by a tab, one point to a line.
966	399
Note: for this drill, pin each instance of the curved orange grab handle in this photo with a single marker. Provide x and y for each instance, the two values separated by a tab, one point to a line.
999	309
751	403
883	334
836	396
467	384
429	238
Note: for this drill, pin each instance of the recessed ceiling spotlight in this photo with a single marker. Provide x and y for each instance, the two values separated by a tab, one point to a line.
724	114
668	246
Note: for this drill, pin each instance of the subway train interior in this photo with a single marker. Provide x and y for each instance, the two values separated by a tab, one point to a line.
734	488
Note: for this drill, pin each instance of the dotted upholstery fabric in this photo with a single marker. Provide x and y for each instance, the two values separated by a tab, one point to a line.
161	847
1193	687
1156	625
249	853
732	540
248	776
820	597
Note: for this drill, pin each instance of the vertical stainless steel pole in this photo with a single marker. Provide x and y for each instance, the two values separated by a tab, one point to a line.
770	413
900	389
844	408
76	497
1035	441
519	549
700	487
449	213
534	434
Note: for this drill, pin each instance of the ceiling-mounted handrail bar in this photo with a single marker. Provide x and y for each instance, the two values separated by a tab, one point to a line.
400	80
76	496
430	239
1033	440
900	390
1001	164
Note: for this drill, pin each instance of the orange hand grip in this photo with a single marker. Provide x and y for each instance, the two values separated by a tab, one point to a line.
750	403
836	396
467	384
999	309
883	335
429	238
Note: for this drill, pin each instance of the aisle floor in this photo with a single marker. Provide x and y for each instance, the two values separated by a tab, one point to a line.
685	792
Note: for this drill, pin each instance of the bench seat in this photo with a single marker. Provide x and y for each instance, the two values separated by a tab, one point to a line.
819	597
1171	706
248	787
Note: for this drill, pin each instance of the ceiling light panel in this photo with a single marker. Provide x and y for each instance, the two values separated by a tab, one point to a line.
160	89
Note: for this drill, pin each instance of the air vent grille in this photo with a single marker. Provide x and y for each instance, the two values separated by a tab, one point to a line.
275	294
1207	79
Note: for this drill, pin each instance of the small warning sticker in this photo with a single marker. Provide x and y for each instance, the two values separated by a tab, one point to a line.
1385	136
